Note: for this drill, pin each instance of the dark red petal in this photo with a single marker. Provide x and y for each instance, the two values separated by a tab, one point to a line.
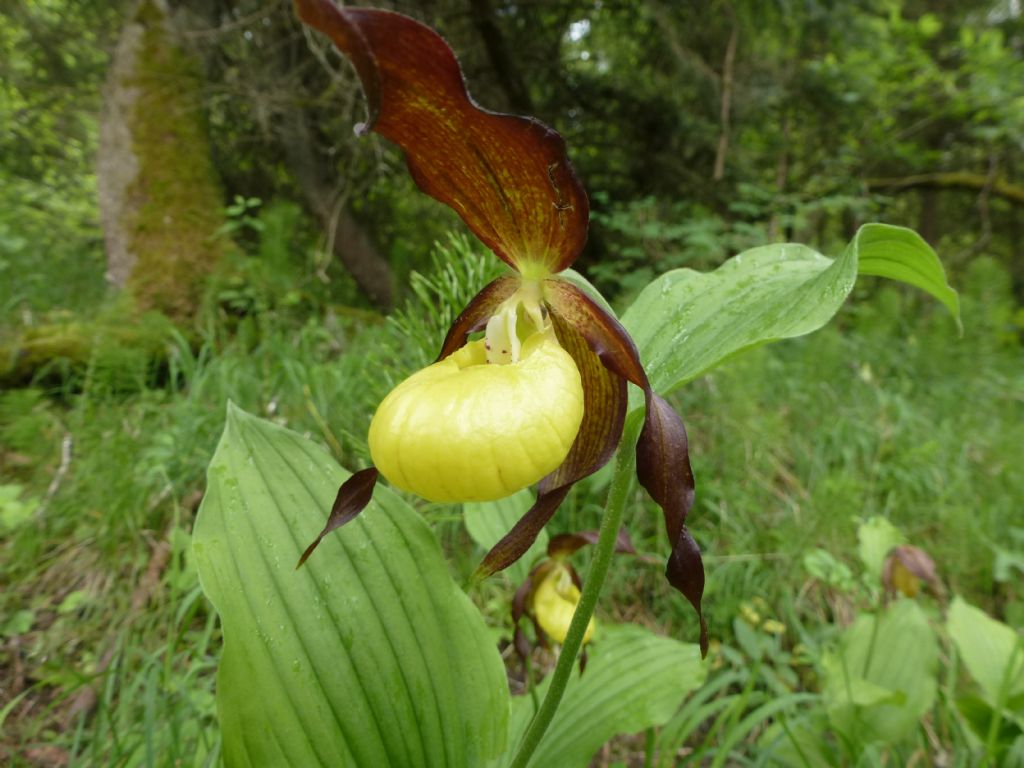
685	572
603	333
519	599
663	460
353	496
663	468
476	314
575	577
917	562
515	543
663	463
604	410
542	636
567	543
519	639
507	177
521	642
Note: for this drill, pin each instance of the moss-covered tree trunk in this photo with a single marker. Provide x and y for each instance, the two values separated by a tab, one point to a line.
160	198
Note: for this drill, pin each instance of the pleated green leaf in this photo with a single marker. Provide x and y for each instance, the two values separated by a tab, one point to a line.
992	652
488	521
686	322
369	655
881	680
902	254
876	538
633	680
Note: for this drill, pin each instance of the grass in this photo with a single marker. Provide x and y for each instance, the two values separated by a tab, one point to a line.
110	648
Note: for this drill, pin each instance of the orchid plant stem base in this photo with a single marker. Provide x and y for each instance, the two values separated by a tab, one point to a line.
610	523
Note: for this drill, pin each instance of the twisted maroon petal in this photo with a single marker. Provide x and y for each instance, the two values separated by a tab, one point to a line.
507	177
353	496
662	456
604	409
515	543
476	314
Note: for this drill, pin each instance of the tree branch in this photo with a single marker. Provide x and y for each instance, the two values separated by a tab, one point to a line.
686	57
979	182
984	212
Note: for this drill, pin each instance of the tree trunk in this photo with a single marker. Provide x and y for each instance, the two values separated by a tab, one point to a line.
160	200
347	238
509	76
725	111
781	177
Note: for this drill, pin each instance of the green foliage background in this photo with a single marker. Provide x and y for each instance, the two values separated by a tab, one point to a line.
840	113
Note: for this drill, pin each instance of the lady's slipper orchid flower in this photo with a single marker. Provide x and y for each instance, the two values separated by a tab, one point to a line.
552	599
552	590
504	426
905	567
543	397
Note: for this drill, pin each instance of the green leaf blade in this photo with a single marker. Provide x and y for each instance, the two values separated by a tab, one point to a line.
634	680
991	650
684	323
882	680
901	254
876	538
369	654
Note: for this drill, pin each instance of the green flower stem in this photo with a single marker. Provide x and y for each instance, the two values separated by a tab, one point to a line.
531	686
649	748
610	523
992	740
874	638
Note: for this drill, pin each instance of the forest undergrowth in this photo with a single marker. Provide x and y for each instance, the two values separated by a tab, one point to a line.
110	649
